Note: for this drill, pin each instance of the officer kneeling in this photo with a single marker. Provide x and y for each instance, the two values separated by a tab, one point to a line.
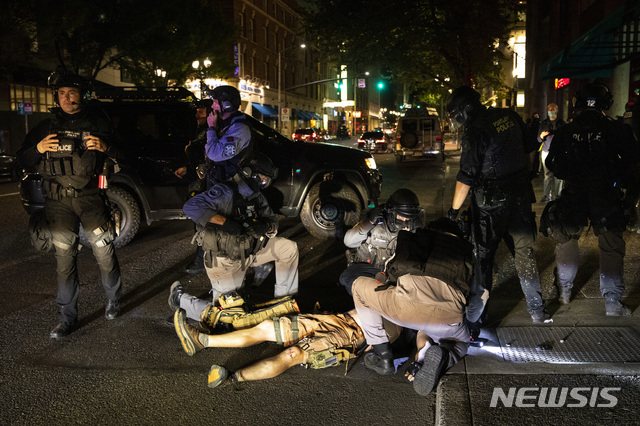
427	291
237	229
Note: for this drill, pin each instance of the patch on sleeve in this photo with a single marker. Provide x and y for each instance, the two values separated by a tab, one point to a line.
230	150
229	138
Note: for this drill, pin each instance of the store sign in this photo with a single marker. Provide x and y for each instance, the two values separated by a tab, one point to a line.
562	82
250	89
25	108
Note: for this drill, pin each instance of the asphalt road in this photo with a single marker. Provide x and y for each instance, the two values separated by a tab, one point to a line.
132	370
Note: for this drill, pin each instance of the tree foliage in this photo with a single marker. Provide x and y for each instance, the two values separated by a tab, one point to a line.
138	35
418	40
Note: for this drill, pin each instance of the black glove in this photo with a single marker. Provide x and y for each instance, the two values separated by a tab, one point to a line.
376	215
231	227
255	228
452	214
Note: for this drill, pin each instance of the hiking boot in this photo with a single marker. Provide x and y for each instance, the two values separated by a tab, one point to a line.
615	308
380	360
175	293
189	335
433	367
63	329
565	295
112	309
196	267
541	317
219	375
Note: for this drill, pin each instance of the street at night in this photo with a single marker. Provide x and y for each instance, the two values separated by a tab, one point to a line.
132	370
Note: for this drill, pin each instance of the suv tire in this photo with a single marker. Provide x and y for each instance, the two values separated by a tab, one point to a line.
329	208
409	140
126	210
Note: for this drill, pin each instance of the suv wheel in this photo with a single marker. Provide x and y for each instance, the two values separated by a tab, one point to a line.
329	208
409	140
125	211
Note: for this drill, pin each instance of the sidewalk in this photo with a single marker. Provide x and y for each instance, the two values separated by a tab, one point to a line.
520	373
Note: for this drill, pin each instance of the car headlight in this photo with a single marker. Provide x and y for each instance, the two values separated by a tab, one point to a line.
371	163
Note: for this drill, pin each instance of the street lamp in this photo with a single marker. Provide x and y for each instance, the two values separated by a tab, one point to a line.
196	66
280	52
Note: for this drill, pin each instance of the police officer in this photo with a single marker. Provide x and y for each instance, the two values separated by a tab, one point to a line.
228	136
496	159
238	230
374	237
431	270
70	149
598	159
195	159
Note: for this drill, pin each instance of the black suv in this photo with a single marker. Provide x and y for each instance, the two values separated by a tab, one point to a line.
327	185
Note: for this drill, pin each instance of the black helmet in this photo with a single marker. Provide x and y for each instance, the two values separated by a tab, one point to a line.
256	164
228	97
402	210
204	103
594	95
61	78
462	103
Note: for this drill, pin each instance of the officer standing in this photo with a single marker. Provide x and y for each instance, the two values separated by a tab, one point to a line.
228	136
194	153
374	237
597	157
70	149
238	230
496	159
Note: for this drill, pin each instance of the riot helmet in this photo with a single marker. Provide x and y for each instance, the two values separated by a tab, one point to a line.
228	97
594	95
59	79
402	210
258	170
462	104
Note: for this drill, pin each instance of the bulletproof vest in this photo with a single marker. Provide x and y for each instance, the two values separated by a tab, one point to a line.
499	131
234	247
378	247
72	165
591	158
435	254
221	171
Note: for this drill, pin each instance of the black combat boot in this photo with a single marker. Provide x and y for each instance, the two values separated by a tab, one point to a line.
380	360
614	307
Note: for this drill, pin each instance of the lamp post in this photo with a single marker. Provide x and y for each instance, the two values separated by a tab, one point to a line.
196	66
355	99
280	52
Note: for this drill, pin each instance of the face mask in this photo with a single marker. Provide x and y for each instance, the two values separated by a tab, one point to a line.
553	115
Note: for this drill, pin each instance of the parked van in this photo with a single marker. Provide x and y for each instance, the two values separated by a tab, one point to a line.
419	135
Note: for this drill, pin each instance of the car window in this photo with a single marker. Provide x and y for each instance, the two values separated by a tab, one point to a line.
409	125
304	131
428	124
376	135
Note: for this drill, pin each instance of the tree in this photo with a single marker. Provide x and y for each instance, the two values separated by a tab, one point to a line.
419	40
139	35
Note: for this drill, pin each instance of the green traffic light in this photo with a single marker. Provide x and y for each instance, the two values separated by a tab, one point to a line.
380	85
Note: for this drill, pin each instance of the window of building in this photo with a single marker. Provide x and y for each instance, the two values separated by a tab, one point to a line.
265	37
40	98
251	36
243	30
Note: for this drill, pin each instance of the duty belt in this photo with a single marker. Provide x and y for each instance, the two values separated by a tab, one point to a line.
56	191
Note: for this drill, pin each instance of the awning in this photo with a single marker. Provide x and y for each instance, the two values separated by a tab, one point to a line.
302	114
609	43
266	110
315	116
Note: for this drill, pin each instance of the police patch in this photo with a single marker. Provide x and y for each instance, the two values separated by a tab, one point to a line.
229	150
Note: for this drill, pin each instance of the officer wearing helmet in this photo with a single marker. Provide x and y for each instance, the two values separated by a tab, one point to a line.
237	229
70	150
496	159
598	159
228	135
374	237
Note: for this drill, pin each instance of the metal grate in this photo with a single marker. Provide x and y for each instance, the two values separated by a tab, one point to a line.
569	345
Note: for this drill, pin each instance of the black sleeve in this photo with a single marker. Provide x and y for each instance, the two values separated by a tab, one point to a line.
28	156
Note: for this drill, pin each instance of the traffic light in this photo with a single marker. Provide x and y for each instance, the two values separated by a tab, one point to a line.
381	85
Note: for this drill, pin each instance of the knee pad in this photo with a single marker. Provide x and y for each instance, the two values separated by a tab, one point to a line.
102	235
